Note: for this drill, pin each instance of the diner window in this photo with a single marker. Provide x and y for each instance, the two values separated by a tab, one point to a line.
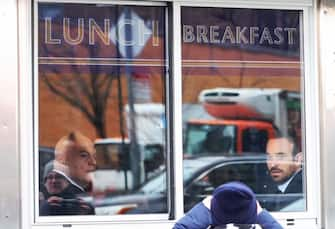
119	132
243	68
101	82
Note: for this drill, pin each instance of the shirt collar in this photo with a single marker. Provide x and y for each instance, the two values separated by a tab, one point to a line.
70	180
282	187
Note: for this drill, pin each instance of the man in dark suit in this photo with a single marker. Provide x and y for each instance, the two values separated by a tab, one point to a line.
284	163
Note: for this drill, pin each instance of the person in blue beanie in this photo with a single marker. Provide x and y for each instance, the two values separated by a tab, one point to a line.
231	203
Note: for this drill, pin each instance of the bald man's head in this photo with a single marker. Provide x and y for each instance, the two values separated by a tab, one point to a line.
77	153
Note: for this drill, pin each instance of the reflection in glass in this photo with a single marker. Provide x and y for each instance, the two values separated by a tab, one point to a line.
242	76
210	139
101	77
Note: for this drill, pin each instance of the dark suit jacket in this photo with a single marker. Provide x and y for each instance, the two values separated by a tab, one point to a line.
281	200
295	186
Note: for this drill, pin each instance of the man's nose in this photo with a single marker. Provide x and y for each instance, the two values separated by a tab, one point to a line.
93	162
273	163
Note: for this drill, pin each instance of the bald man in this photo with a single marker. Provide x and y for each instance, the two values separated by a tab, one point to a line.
76	158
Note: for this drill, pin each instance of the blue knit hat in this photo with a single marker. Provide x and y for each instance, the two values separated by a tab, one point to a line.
233	202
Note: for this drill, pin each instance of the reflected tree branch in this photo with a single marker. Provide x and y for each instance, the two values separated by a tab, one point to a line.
86	88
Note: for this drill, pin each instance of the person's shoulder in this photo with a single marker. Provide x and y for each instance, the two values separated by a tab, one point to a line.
198	217
267	221
295	185
74	189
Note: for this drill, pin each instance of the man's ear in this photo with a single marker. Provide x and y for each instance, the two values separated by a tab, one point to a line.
298	158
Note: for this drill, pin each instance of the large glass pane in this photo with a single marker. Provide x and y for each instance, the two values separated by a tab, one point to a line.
242	77
101	108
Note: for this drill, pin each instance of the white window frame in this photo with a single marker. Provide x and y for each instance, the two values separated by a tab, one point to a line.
310	114
81	218
309	219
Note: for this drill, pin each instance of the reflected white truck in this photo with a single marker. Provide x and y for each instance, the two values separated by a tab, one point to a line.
150	122
111	174
271	104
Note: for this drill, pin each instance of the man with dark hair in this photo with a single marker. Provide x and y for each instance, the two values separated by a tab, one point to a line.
284	164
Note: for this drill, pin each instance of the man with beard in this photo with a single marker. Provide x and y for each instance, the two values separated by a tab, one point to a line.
284	164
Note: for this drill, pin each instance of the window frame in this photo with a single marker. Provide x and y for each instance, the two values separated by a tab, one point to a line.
310	116
95	218
28	132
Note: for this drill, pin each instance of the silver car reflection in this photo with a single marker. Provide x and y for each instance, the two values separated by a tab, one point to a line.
202	174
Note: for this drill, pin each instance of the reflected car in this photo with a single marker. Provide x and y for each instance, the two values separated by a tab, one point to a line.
295	205
202	174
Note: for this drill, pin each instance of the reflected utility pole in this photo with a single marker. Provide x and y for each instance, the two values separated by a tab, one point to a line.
135	156
120	104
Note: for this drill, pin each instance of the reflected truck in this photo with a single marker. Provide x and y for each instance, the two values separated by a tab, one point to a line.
113	174
226	136
243	119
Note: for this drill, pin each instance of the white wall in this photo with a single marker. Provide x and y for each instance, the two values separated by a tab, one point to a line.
327	73
10	194
9	156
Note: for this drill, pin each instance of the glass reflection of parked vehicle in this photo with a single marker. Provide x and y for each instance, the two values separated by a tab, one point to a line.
114	153
114	167
201	176
296	205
